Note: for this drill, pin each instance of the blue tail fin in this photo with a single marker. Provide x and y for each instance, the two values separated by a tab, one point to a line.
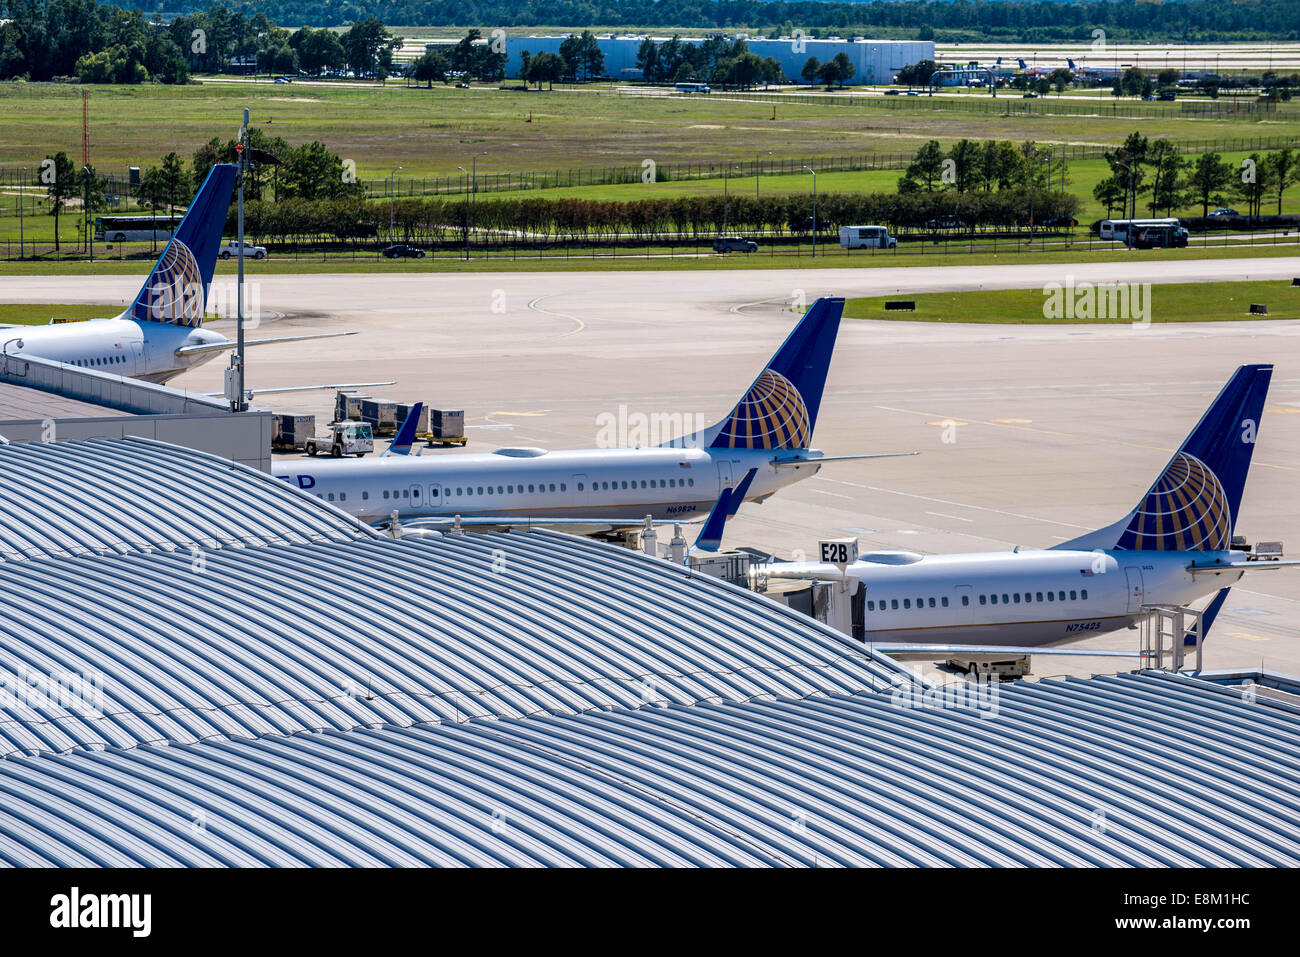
176	292
1193	504
779	411
405	437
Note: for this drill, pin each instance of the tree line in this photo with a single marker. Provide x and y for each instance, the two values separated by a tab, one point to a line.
1045	20
1155	174
538	220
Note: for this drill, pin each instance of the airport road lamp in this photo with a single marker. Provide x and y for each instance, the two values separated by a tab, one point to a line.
22	185
756	170
392	201
814	224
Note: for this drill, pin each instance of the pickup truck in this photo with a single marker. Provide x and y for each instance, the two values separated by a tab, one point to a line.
231	249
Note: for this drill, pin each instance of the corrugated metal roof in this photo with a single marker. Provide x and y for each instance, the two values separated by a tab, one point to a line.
108	496
1152	770
335	635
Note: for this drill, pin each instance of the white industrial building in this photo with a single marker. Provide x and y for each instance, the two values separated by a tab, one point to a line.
875	62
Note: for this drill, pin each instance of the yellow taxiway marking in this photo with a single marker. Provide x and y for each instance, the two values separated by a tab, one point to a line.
1065	435
1013	421
1245	634
578	327
542	412
946	423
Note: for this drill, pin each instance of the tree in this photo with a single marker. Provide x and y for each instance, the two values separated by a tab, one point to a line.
1283	171
1112	192
917	74
1252	184
545	68
836	70
153	192
810	69
432	66
966	156
60	179
1167	183
647	60
925	169
364	43
1060	78
771	72
1209	177
173	181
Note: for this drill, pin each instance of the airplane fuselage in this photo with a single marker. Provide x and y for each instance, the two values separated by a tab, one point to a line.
144	350
516	484
1016	598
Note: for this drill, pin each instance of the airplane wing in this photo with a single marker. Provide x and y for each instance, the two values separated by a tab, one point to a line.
308	388
796	461
231	344
900	648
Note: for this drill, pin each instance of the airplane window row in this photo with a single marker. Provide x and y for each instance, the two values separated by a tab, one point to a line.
1030	597
1013	598
506	489
102	361
651	483
893	603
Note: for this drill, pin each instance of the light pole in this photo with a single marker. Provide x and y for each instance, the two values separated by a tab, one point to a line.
85	207
756	170
392	205
814	224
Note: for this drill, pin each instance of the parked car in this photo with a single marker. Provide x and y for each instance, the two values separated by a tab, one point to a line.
734	244
403	251
1056	222
462	85
1225	211
283	79
946	222
231	249
892	92
1031	95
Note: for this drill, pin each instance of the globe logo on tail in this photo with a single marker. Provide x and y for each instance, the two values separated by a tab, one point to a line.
1186	510
174	292
772	415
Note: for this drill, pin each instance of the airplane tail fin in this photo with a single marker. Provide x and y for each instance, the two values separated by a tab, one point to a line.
1022	63
405	437
176	292
1071	62
1193	504
779	411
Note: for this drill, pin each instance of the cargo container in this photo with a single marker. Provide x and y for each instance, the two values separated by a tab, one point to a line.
380	414
290	431
347	406
448	426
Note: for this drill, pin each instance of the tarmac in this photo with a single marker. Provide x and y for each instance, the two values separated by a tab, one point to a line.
1029	434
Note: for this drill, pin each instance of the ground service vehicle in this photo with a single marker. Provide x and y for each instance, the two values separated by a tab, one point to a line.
734	244
344	438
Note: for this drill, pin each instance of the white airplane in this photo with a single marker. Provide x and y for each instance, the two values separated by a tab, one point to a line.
769	432
159	335
1174	548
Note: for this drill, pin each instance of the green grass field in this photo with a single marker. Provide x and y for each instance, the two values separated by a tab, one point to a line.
431	132
1173	302
38	314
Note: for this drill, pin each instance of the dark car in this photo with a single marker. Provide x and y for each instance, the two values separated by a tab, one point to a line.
734	244
403	251
945	222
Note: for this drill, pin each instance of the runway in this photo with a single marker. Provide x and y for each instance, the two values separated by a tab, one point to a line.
1028	434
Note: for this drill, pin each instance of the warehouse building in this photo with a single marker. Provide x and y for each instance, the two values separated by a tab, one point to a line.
875	62
265	681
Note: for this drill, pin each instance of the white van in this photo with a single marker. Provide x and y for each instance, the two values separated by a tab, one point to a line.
866	237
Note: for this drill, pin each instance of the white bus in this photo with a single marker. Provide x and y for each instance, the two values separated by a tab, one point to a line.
693	88
866	237
1117	230
127	229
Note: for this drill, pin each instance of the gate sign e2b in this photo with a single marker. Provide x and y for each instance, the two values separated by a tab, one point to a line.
839	551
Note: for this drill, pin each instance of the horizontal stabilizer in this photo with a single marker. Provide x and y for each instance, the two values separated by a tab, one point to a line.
232	344
794	461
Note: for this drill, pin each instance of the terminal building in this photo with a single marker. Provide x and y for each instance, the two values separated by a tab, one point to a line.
204	666
875	62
